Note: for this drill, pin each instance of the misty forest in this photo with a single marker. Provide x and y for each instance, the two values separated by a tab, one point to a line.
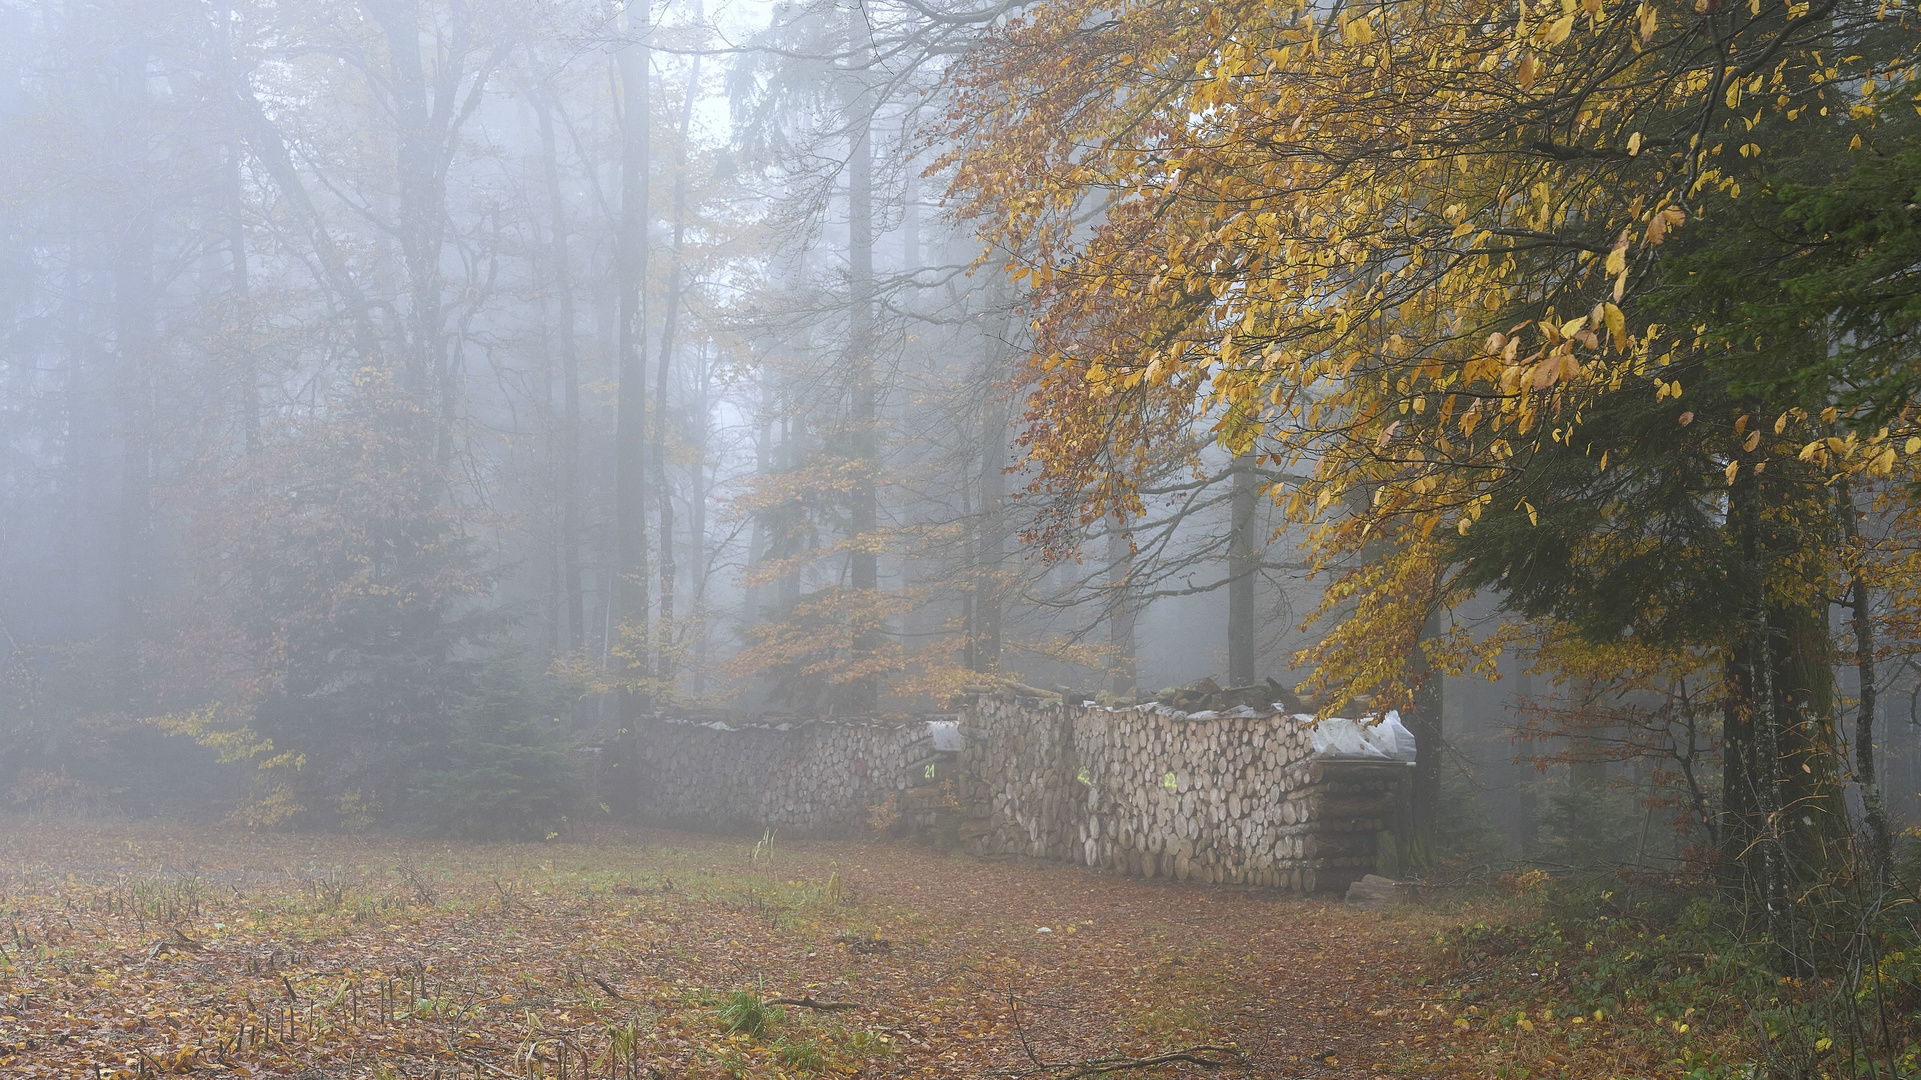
616	539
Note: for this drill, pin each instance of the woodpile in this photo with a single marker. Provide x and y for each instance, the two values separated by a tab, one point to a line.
1232	797
818	778
1235	797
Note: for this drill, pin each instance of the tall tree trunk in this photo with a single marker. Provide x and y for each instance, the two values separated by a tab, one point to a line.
429	108
1814	816
135	343
864	513
239	342
421	217
1424	722
1243	565
554	610
1120	610
1874	809
269	148
970	572
664	491
992	533
790	531
1753	778
763	531
697	502
1785	819
568	347
630	600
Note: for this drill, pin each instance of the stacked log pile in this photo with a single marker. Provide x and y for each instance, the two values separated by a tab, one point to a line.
818	778
1235	797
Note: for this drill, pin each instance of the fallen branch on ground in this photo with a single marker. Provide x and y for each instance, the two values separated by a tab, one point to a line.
1208	1057
511	900
810	1003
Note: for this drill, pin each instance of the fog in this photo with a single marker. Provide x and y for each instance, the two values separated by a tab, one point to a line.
388	383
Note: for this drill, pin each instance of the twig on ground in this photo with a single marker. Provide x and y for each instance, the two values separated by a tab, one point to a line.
1208	1057
511	900
424	890
1203	1055
810	1003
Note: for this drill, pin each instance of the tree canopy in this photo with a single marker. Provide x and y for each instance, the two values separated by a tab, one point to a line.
1602	309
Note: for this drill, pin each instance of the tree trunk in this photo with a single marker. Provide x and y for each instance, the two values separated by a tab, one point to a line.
664	491
1120	610
239	344
992	536
134	346
1874	810
697	502
1242	567
762	531
1424	721
864	568
630	601
1785	816
421	217
569	350
1759	776
1815	826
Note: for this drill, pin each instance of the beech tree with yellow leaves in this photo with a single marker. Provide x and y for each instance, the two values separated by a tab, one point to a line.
1458	260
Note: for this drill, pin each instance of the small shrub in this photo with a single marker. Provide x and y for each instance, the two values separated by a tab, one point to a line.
884	816
744	1013
867	1043
802	1054
505	773
1590	825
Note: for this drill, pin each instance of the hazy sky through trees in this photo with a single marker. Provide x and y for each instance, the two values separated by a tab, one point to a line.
374	381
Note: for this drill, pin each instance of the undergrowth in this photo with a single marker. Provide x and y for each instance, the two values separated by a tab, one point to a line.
800	1043
1674	981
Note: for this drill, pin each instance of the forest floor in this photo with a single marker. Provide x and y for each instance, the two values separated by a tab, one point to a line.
145	950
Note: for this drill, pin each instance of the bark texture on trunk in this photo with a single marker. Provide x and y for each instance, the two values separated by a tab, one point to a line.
135	341
864	516
569	351
1424	720
630	602
670	322
1243	565
1120	610
1874	808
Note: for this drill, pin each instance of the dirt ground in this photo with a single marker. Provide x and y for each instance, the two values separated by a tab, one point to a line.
146	950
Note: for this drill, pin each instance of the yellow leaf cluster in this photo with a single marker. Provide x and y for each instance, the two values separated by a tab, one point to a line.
1402	249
